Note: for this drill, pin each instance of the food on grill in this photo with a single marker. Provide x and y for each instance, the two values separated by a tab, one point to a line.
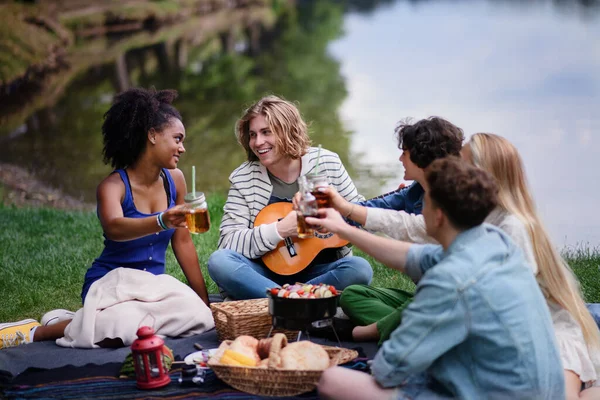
304	291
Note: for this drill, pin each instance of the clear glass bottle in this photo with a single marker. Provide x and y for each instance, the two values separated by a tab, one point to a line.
197	217
307	207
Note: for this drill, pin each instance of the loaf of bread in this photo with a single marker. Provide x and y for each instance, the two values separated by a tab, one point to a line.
304	355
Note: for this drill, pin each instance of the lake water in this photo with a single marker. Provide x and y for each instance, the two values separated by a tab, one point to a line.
527	70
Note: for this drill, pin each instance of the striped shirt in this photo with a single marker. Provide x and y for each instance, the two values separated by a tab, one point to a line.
250	192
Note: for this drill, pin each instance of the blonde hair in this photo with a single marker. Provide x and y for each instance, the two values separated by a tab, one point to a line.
285	123
498	156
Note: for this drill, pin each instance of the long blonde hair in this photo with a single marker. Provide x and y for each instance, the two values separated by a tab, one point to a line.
284	120
498	156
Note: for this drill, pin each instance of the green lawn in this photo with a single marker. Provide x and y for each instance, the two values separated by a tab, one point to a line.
44	254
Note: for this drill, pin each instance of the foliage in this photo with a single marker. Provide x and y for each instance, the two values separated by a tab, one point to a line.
118	11
24	45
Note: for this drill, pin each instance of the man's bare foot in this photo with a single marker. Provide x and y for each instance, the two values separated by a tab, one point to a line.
365	333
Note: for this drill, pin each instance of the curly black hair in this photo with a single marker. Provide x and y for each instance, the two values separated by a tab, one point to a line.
126	124
429	139
466	194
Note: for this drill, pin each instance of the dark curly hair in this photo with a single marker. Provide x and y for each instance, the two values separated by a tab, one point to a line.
127	122
429	139
466	194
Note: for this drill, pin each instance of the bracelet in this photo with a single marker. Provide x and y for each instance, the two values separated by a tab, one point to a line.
351	210
160	222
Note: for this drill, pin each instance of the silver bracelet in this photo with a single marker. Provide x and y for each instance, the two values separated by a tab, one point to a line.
159	222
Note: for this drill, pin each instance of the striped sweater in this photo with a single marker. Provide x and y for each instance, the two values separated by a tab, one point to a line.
250	192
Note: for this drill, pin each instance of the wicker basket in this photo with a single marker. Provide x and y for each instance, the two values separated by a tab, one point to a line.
278	382
245	317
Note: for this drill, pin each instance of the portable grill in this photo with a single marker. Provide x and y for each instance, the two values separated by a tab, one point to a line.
302	315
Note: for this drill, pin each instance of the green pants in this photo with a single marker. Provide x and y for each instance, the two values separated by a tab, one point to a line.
365	305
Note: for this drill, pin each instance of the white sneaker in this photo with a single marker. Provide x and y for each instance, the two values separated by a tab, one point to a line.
56	316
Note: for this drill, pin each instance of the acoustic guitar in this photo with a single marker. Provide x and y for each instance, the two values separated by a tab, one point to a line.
292	255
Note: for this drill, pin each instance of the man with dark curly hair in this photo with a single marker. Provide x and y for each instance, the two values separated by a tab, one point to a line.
421	143
478	327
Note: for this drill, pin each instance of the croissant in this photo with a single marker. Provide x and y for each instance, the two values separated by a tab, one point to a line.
246	345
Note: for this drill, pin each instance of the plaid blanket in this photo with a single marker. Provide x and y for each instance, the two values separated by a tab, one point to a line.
110	387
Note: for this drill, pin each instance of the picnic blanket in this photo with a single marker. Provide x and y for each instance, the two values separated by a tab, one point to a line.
108	387
125	299
45	370
85	376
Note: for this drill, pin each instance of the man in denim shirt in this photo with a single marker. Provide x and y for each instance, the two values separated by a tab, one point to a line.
478	327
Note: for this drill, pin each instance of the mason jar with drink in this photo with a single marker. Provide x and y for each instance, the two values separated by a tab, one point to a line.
317	182
197	217
307	207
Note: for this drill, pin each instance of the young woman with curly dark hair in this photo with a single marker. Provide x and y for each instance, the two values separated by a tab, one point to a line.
140	207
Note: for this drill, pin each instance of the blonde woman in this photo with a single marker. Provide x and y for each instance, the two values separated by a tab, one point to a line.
576	331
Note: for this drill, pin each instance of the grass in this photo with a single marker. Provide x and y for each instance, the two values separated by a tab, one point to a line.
44	254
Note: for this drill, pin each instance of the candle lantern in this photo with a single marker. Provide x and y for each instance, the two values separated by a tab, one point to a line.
148	360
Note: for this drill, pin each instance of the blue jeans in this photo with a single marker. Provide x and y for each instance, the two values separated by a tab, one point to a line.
243	278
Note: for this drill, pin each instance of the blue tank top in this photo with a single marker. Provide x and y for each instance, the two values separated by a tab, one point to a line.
146	253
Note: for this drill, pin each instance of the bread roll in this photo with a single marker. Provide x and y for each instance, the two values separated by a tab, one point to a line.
246	345
304	355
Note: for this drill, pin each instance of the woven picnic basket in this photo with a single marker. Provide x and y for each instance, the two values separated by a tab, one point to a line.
245	317
278	382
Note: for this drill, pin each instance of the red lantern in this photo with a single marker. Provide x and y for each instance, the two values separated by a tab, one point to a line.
150	369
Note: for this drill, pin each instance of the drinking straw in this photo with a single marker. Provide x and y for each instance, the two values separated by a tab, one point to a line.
318	157
194	181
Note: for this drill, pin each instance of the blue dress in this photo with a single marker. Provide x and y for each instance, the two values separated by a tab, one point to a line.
146	253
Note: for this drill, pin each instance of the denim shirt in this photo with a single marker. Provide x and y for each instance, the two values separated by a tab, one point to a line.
409	199
478	324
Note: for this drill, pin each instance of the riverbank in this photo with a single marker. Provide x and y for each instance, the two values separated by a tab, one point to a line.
46	45
40	36
20	188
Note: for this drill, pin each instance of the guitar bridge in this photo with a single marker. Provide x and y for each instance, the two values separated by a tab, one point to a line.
289	245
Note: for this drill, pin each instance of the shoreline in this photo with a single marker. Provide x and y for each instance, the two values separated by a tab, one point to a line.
20	188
